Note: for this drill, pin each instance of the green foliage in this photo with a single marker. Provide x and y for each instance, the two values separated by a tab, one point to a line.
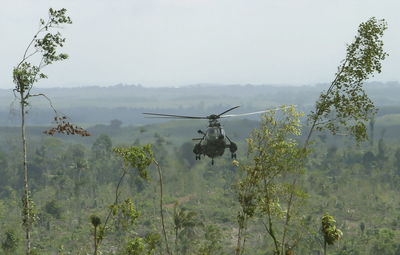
152	240
329	230
346	187
29	210
125	213
345	104
53	208
385	242
102	147
135	246
276	156
3	209
125	216
212	242
139	157
35	251
25	76
10	242
266	187
143	246
95	220
44	43
185	223
185	220
186	152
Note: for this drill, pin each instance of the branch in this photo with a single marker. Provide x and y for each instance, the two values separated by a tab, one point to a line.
244	243
161	205
287	217
320	110
271	232
117	193
270	229
48	99
25	57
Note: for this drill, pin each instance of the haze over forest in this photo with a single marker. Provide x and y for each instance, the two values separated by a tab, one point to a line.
99	105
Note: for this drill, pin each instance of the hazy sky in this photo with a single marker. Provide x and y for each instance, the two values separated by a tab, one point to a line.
181	42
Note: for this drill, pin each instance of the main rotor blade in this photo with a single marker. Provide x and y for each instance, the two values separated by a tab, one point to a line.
219	115
251	113
166	116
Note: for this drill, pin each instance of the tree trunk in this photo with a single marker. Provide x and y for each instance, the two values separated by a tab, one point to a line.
176	240
95	240
161	207
26	210
237	250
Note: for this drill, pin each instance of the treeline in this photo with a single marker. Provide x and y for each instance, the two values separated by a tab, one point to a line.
71	182
96	105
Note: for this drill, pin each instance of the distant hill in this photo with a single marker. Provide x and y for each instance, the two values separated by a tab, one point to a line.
99	105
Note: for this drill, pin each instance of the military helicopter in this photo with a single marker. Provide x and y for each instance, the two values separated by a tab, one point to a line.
214	141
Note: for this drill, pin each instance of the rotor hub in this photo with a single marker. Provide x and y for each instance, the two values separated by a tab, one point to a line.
213	117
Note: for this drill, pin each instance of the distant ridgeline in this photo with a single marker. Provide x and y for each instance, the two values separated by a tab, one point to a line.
99	105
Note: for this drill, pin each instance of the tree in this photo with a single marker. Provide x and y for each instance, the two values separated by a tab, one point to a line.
53	208
40	52
382	151
96	221
10	242
115	124
275	157
76	155
25	74
397	161
140	158
102	147
186	152
344	107
142	246
372	130
135	246
185	222
329	230
3	169
384	242
212	241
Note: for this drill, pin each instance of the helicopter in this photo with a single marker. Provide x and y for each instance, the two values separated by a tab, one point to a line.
213	140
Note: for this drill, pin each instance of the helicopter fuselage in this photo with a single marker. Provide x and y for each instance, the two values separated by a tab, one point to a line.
214	142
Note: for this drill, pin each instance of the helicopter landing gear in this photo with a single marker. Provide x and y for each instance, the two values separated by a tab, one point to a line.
233	147
233	155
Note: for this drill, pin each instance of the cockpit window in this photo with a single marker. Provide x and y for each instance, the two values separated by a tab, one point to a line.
213	133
